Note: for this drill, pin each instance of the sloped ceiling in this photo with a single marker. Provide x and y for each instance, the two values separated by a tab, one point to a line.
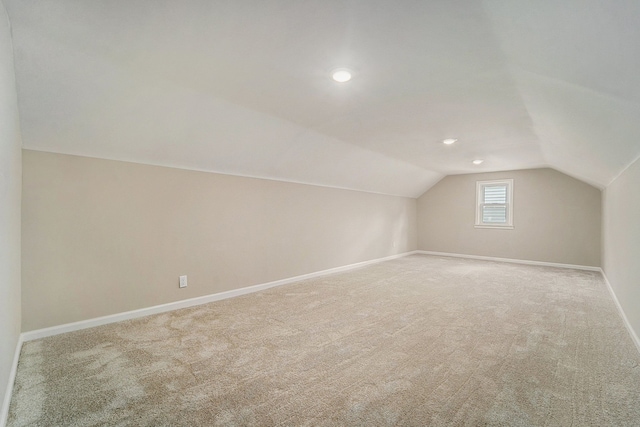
243	87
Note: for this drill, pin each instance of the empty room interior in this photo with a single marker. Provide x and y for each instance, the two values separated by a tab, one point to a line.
326	213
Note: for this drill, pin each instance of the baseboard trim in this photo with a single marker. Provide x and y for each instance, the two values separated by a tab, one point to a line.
4	411
632	333
512	260
98	321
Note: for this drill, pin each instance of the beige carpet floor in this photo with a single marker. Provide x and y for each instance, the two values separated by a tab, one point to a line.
416	341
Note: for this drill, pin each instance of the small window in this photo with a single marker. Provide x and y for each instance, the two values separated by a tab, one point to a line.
494	204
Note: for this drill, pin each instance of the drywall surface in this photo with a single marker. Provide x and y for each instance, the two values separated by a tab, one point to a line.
102	237
621	241
10	188
556	218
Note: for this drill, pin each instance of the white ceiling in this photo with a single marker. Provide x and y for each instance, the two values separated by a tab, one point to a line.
243	87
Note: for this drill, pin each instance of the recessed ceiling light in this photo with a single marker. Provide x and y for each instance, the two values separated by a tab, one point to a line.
477	161
341	75
449	141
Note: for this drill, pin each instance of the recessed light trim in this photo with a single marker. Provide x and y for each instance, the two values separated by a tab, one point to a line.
449	141
478	161
341	75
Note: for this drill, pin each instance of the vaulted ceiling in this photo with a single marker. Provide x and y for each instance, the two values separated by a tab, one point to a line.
243	87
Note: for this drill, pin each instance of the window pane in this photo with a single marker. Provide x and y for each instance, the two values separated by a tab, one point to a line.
494	204
494	214
495	194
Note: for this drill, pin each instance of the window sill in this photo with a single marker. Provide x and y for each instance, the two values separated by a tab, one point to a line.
500	227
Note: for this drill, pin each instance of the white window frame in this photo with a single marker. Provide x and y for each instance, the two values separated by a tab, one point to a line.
480	199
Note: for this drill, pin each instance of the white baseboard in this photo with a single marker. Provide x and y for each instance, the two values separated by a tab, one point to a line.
90	323
512	260
634	336
4	410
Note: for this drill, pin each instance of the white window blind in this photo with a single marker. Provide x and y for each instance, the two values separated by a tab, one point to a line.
494	208
494	204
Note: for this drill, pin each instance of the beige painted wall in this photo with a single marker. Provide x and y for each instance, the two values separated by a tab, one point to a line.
621	241
102	237
10	187
556	219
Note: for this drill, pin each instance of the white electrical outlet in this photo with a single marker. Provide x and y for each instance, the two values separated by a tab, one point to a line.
183	281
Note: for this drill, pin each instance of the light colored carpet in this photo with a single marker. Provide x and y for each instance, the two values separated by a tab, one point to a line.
416	341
